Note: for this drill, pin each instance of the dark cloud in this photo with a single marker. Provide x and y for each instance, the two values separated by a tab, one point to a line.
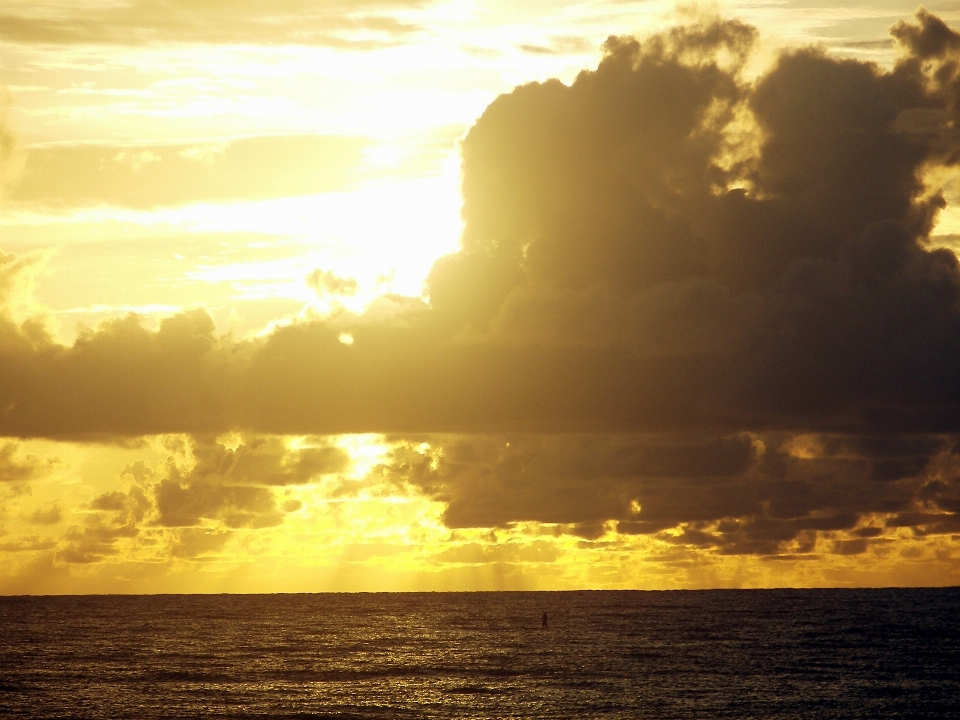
571	479
115	517
47	515
28	543
232	485
93	542
15	467
201	483
625	264
663	262
186	503
757	494
266	461
342	23
136	376
930	39
150	176
198	542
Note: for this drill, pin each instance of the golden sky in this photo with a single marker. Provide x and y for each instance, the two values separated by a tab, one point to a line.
478	294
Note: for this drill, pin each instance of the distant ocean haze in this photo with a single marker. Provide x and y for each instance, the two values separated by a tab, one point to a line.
610	654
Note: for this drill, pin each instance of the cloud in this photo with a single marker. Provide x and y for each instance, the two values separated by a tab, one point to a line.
198	542
327	282
929	39
50	514
596	217
561	45
573	479
116	517
238	506
18	277
190	505
151	176
18	468
339	23
664	267
122	368
618	271
267	461
10	158
233	485
94	542
29	543
756	494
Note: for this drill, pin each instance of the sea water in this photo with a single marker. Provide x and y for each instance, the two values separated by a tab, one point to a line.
681	654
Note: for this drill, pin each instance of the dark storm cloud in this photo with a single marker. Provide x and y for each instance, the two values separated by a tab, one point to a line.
342	23
620	210
662	261
150	176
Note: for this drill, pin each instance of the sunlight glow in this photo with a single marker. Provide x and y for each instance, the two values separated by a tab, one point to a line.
265	180
384	235
396	229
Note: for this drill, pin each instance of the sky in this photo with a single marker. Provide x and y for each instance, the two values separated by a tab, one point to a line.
390	295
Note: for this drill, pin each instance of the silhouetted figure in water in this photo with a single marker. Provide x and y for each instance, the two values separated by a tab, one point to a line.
543	622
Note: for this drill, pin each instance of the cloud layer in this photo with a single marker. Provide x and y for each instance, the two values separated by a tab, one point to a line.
150	176
343	23
743	494
660	245
682	300
201	483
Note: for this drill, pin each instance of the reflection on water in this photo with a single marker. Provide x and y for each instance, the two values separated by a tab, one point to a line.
729	654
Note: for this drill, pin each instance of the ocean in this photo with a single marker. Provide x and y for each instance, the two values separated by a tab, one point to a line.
606	654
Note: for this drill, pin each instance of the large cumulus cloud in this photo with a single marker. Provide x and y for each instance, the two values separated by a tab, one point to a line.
659	245
721	291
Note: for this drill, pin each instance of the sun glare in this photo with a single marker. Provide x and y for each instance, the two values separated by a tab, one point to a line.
394	229
217	223
381	237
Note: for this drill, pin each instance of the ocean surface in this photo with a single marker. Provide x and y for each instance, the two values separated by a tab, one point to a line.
680	654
